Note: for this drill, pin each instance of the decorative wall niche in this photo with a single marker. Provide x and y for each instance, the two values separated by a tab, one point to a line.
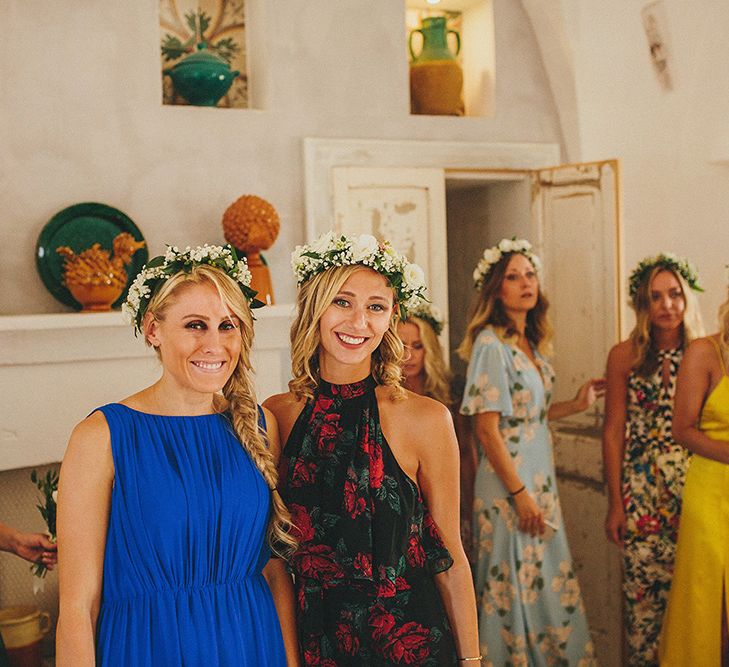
203	53
467	33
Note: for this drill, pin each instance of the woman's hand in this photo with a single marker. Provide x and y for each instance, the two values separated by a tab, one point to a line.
615	524
531	518
36	547
588	393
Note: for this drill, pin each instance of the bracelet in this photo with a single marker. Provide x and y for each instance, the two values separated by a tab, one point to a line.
518	491
478	657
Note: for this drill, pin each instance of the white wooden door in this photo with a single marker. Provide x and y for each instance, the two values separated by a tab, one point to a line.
404	206
577	233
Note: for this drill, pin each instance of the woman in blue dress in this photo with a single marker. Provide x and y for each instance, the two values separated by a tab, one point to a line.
530	606
167	501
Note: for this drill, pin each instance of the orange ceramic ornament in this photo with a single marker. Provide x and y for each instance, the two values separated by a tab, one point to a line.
251	224
94	278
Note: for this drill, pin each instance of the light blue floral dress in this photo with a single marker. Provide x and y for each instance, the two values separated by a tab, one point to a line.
530	606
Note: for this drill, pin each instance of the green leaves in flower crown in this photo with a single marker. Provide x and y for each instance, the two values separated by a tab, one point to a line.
161	268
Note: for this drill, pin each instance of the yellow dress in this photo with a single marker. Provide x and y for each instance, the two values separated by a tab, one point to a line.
691	635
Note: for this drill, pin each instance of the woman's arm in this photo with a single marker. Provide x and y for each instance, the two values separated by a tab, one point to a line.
586	395
33	547
531	517
697	376
282	590
84	494
275	572
613	438
438	478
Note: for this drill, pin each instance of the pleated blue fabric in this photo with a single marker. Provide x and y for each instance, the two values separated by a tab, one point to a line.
185	549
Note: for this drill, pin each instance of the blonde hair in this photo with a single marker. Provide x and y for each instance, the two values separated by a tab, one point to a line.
645	352
238	391
314	297
724	327
437	375
489	310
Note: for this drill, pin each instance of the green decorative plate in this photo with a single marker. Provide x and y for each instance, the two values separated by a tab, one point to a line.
79	227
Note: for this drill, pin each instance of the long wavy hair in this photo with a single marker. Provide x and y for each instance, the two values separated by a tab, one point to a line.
239	395
437	375
489	310
314	297
645	350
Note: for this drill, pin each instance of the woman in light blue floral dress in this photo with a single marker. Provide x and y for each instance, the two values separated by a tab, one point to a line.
530	605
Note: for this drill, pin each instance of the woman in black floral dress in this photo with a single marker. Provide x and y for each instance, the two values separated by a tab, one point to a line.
370	474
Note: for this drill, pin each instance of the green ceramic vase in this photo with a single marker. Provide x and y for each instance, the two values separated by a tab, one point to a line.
436	78
202	78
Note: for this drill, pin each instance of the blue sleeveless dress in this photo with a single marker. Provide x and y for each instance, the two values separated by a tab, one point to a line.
185	548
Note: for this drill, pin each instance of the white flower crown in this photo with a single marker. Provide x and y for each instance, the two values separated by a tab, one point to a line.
430	314
666	260
161	268
329	250
493	254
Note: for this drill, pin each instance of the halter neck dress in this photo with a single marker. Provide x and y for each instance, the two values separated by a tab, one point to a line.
185	548
368	546
691	633
654	470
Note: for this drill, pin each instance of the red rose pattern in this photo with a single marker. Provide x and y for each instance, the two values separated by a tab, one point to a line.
304	530
347	641
363	563
415	553
409	644
317	561
303	474
364	595
330	430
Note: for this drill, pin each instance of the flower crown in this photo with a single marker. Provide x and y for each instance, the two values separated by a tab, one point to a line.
408	280
666	260
430	314
161	268
494	254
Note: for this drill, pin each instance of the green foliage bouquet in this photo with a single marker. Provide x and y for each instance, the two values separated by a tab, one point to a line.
48	486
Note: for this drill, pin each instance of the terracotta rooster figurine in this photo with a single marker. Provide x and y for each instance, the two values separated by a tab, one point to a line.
93	277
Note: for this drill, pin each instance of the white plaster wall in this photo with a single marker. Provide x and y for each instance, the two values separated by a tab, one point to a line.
81	118
674	198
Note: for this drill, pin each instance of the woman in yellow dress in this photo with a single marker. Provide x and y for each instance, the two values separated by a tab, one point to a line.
695	627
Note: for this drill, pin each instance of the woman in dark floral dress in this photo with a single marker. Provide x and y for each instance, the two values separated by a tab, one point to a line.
369	473
644	468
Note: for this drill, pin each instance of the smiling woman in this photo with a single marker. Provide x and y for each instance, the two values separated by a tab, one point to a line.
167	508
369	472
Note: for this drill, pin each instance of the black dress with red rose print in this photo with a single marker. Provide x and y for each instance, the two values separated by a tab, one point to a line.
368	547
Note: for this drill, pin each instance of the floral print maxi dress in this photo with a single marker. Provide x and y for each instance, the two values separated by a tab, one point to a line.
530	605
654	469
368	547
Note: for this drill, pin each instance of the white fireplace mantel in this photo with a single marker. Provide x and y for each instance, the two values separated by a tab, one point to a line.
56	368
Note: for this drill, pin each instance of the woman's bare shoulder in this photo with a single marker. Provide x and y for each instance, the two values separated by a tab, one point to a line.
92	429
282	404
621	357
413	409
285	408
89	446
702	351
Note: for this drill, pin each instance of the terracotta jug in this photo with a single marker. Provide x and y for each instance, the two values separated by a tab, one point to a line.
436	78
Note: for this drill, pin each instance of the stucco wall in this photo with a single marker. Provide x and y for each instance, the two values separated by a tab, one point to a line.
674	196
82	118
